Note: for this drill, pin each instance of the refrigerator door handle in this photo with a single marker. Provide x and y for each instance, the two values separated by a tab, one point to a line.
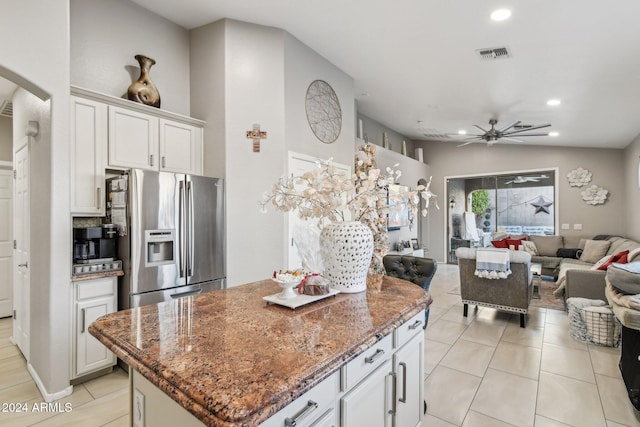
190	255
181	227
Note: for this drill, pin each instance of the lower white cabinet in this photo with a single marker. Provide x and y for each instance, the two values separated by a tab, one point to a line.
92	299
368	403
408	364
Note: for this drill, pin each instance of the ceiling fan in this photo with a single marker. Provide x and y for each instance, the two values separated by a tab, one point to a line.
523	179
511	132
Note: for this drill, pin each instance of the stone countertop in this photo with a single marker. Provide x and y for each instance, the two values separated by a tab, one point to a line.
231	359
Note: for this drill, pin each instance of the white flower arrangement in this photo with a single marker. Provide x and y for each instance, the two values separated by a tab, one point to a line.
326	193
594	195
579	177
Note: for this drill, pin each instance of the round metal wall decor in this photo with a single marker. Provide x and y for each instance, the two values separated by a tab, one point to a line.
323	111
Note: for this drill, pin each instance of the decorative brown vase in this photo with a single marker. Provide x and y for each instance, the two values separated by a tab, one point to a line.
143	90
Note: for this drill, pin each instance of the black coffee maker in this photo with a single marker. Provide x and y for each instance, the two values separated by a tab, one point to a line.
94	244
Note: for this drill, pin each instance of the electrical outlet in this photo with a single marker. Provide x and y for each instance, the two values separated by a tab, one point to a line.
577	226
565	226
138	408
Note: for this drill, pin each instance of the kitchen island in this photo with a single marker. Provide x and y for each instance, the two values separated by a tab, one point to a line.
231	359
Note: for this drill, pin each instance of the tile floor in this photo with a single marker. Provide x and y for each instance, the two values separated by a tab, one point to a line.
481	371
99	402
486	371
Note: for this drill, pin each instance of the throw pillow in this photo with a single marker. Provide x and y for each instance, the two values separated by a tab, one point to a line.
568	252
594	250
620	258
633	254
500	244
600	262
547	245
529	247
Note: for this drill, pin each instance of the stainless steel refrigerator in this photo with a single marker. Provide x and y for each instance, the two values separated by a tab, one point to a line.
171	240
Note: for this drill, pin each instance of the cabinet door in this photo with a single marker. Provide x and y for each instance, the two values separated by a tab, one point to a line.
180	147
409	373
88	147
91	354
133	139
367	404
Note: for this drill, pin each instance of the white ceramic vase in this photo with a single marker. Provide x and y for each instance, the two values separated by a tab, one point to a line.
346	249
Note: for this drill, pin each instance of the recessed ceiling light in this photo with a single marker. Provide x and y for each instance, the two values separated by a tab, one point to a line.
553	133
462	132
553	102
500	14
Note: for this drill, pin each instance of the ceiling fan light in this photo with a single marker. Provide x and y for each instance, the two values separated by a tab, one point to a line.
554	133
500	14
462	132
553	102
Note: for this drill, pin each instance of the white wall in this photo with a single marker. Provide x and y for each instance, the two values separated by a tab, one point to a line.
35	55
605	164
105	37
632	188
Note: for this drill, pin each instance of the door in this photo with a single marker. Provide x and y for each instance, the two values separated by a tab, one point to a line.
205	228
409	382
21	260
6	243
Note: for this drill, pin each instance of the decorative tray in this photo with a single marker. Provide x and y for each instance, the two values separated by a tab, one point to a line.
299	300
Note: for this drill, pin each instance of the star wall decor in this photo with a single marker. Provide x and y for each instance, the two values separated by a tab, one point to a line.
541	205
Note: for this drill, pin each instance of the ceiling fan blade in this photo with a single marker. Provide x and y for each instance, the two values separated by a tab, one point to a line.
483	130
467	143
509	126
526	134
506	138
530	128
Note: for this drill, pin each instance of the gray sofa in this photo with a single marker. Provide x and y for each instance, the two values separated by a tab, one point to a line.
512	294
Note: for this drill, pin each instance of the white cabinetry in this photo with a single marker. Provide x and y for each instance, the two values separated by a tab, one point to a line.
367	404
92	299
407	363
180	147
133	139
88	149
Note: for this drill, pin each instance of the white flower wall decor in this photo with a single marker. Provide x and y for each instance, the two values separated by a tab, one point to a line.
579	177
594	195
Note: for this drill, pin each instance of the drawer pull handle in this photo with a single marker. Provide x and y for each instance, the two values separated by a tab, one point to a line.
394	392
379	352
82	327
292	422
415	324
403	399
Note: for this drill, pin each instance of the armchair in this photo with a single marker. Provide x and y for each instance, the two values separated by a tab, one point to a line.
512	294
417	270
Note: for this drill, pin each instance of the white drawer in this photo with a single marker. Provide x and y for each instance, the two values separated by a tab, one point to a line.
409	329
309	408
365	363
96	287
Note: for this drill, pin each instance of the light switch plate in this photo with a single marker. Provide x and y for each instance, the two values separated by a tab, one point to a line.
565	226
138	408
577	226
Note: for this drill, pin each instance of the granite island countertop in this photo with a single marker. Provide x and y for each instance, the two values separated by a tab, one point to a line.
231	359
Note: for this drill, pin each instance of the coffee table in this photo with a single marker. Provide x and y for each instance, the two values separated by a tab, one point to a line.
536	270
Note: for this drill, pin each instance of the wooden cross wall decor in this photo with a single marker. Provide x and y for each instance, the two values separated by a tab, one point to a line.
256	134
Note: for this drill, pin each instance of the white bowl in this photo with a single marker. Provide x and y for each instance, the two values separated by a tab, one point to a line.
287	288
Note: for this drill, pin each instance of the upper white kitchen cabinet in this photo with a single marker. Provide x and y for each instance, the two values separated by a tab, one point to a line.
180	147
88	150
133	139
140	136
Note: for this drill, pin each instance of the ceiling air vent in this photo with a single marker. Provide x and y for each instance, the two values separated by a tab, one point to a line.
489	54
431	133
6	108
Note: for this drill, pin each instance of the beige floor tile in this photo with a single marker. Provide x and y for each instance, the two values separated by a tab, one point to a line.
569	401
433	353
547	422
476	419
605	360
615	401
529	336
449	394
95	413
20	393
13	371
484	332
9	351
568	362
507	397
445	301
106	384
454	314
614	424
431	421
559	335
120	422
445	332
469	357
557	317
492	316
435	313
517	359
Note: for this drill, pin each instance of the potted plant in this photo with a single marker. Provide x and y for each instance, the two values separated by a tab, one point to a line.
479	203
